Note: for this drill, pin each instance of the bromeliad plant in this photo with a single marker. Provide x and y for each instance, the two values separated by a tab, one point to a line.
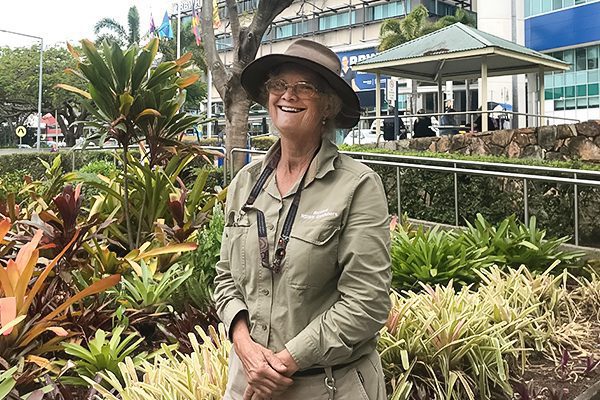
21	333
102	355
434	256
149	290
519	244
131	102
174	375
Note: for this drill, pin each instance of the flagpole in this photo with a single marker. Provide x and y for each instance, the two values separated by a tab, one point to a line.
178	28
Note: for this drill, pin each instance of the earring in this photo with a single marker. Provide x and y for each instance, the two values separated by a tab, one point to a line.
324	121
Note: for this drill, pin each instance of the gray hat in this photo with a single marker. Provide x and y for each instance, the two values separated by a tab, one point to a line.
315	57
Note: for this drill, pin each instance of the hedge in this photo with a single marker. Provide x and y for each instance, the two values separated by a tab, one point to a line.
429	195
29	162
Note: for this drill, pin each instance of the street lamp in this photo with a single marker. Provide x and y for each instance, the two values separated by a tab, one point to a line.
39	83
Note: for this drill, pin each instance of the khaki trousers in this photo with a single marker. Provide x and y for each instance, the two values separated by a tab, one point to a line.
361	380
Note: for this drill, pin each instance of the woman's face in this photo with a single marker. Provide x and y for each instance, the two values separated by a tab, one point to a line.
294	114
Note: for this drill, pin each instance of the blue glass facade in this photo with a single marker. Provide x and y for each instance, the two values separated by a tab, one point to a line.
574	31
568	27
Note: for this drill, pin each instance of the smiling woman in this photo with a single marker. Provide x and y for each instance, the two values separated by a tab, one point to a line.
303	279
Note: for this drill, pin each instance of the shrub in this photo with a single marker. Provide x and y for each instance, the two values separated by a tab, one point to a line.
100	167
438	256
198	288
443	343
263	142
29	162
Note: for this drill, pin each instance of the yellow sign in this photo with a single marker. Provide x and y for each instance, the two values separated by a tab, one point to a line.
21	131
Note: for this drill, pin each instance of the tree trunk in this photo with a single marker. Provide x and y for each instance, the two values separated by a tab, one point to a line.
246	41
236	125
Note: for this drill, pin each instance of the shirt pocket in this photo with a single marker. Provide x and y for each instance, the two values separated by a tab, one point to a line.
236	229
312	256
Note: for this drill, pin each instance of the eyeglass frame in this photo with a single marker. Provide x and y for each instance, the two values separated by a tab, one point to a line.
317	91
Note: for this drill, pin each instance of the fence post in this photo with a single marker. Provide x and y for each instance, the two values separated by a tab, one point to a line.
525	201
576	201
398	193
455	197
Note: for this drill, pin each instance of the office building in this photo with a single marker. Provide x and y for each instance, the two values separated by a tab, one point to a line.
568	30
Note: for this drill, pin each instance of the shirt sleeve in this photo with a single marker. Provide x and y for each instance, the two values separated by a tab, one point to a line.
229	301
364	283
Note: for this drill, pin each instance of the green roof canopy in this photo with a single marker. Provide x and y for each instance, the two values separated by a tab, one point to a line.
457	52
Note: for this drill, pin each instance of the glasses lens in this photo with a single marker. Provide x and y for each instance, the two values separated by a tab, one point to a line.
305	90
277	87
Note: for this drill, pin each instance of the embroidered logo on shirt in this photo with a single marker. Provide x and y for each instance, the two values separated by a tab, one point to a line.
319	214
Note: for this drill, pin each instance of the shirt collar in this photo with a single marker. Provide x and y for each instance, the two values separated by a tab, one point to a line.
320	166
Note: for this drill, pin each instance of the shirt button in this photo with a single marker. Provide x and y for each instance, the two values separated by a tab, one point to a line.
264	327
264	292
270	226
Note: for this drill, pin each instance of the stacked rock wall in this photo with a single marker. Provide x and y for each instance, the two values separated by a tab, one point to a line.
556	142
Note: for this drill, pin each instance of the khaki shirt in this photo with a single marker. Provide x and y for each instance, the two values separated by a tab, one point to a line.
331	297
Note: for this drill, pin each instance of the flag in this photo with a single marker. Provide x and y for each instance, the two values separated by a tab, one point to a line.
165	29
152	26
196	25
216	19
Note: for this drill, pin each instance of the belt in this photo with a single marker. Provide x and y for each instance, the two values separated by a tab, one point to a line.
318	371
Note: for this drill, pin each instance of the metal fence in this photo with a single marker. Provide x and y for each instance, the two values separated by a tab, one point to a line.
575	177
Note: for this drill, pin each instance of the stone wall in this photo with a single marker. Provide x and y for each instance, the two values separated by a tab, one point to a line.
555	142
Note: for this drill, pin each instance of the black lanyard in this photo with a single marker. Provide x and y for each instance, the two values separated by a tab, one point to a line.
263	243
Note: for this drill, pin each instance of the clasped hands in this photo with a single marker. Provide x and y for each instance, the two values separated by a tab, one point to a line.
268	374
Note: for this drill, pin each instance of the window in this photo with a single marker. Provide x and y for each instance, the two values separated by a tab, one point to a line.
291	29
578	88
546	5
558	93
559	79
535	7
580	59
570	91
592	57
341	19
388	10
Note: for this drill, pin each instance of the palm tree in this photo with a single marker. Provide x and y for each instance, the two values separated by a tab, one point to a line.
109	29
394	32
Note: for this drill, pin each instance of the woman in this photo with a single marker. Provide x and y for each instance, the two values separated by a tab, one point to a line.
303	280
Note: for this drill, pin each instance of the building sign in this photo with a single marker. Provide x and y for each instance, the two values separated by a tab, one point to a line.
358	80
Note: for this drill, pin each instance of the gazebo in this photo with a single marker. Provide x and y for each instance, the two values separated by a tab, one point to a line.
459	52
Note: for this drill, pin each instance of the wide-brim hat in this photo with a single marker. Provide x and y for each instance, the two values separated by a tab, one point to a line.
315	57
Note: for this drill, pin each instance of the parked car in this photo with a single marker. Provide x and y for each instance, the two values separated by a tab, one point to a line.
23	146
360	136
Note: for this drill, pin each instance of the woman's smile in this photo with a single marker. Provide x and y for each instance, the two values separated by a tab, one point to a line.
293	110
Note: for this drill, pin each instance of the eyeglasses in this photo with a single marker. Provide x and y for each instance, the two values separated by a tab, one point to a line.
304	90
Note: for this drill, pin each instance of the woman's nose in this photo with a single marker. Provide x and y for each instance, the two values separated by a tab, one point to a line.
290	92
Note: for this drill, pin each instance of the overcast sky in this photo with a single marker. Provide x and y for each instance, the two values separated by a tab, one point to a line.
60	20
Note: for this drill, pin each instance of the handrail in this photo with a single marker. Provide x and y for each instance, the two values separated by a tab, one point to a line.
475	163
458	167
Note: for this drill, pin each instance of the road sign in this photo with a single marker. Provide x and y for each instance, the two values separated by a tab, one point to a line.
21	131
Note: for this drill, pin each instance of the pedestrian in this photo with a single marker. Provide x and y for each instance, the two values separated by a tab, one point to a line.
422	126
448	120
303	280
